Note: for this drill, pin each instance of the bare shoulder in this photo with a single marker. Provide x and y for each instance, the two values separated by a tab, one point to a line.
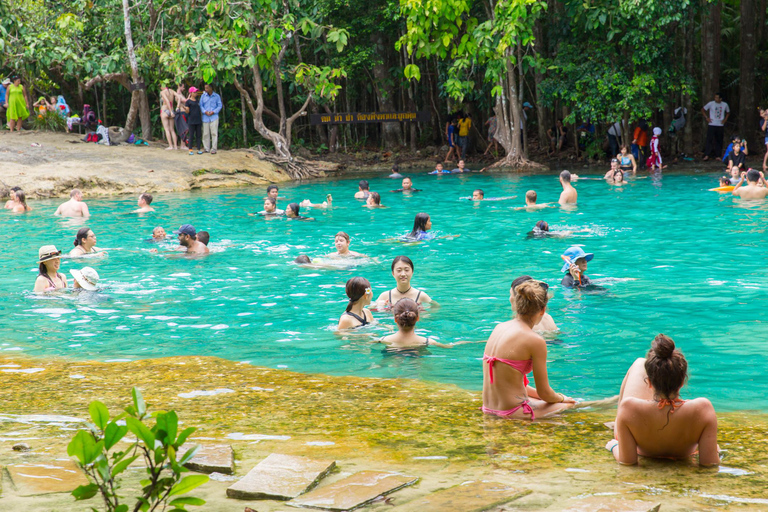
701	405
425	297
630	404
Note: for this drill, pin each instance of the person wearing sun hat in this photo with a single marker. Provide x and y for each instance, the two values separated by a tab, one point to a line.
49	279
86	278
574	266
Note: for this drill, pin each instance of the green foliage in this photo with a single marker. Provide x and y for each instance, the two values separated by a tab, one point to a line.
49	121
158	445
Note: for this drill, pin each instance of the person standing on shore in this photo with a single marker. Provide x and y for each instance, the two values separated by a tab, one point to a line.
3	91
716	113
465	124
764	129
194	120
16	104
210	103
75	207
167	115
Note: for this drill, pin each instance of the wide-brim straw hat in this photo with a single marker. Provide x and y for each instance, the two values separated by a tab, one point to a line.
87	277
47	253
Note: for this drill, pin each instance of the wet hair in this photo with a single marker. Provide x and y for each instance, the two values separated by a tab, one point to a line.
404	259
356	288
408	178
303	259
531	195
565	176
623	146
203	236
271	200
530	298
294	207
363	185
75	191
376	197
271	187
15	189
542	225
753	175
666	367
619	172
146	197
482	194
155	230
342	235
22	198
406	312
419	224
395	168
81	234
725	181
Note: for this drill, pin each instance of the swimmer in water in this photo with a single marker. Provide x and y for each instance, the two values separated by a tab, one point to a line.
407	186
359	292
373	201
512	352
530	202
158	234
645	423
85	279
725	181
325	204
460	168
395	172
422	223
541	229
341	241
756	187
49	278
574	267
618	178
20	202
735	176
188	240
547	323
478	195
85	243
144	202
272	191
270	208
439	169
627	162
569	194
402	271
203	237
406	315
292	212
75	207
613	169
363	190
10	202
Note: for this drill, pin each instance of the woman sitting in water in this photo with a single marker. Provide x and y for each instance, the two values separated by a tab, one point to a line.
85	279
292	212
374	200
512	351
653	421
547	323
49	279
406	316
360	295
20	202
402	271
627	162
617	178
85	243
421	226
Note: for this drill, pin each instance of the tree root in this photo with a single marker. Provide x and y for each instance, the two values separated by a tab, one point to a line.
296	168
516	164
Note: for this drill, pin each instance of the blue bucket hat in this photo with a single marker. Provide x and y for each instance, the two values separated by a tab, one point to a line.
526	104
573	254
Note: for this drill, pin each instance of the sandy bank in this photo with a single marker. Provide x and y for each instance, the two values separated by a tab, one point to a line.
48	164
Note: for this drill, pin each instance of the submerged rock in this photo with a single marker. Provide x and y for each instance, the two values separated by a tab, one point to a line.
281	477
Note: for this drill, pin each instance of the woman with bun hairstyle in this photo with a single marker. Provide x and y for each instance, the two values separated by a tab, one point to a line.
512	352
360	295
402	271
85	243
406	315
653	421
547	323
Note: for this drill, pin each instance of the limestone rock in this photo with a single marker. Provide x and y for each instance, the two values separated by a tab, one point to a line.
215	458
469	497
280	477
609	504
354	491
21	447
54	476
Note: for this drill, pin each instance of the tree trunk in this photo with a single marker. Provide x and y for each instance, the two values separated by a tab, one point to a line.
139	103
538	78
747	106
710	50
245	122
687	102
391	133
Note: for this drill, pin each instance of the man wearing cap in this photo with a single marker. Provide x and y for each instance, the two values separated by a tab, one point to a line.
574	266
210	103
569	194
613	169
3	89
75	207
756	187
85	279
188	240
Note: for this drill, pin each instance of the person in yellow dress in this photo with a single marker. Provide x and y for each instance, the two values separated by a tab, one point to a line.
16	104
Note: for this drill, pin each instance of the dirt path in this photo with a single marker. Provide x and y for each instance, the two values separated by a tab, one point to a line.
48	164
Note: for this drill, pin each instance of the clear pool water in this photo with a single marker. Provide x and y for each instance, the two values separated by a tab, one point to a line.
673	257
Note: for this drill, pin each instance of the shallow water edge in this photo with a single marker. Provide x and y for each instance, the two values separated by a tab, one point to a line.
434	431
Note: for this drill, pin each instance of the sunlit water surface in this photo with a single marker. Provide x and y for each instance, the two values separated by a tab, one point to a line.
672	256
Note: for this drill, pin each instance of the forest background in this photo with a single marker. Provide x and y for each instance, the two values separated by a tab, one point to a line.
274	61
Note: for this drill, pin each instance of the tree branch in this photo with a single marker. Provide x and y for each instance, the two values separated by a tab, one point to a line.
121	78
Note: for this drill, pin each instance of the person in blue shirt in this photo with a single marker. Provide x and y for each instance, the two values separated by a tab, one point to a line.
439	170
3	87
210	104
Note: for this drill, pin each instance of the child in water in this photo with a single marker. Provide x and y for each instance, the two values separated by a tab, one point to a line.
654	161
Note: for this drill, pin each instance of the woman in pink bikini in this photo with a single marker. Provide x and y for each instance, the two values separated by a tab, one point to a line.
653	421
513	351
49	279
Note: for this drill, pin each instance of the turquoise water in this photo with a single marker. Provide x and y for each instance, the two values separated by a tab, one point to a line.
673	257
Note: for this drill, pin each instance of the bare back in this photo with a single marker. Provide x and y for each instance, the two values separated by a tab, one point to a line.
509	340
751	192
72	208
568	195
166	100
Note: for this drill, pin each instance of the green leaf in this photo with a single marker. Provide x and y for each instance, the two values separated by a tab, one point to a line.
187	500
99	414
184	435
85	492
138	402
113	434
121	508
187	484
169	423
142	432
189	454
122	465
84	447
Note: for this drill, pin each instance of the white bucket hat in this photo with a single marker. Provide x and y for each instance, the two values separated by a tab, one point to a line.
87	278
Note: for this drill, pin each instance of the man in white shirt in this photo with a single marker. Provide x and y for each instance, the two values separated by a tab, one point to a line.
716	113
614	135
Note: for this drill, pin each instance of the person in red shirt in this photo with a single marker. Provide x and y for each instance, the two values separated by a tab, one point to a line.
640	142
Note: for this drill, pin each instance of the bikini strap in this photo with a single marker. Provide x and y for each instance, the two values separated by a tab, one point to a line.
672	403
390	298
362	321
417	297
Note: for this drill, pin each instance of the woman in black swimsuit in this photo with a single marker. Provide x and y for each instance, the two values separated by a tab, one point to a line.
360	295
49	279
406	316
402	271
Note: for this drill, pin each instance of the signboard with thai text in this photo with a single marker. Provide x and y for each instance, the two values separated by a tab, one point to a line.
369	117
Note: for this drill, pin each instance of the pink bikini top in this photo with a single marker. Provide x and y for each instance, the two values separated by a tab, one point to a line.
524	367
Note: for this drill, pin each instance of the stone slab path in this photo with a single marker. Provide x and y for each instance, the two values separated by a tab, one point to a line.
211	458
43	478
280	477
468	497
354	491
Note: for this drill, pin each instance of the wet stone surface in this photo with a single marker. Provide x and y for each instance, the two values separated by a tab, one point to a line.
43	478
280	477
211	458
608	504
354	491
467	497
